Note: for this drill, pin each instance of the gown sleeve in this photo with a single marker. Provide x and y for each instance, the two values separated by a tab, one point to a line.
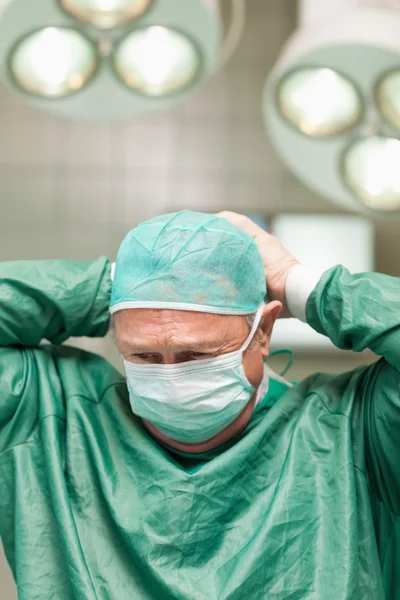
50	300
358	312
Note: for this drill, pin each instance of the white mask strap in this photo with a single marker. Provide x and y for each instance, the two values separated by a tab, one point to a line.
272	375
253	330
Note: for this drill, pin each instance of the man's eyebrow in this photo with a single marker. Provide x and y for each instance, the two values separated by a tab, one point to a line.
210	346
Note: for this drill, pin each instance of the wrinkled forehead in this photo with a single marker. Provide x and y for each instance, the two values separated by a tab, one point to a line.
160	328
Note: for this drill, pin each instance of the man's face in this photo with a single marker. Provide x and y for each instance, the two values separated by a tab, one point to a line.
171	336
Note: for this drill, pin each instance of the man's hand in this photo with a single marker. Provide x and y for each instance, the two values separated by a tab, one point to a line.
277	260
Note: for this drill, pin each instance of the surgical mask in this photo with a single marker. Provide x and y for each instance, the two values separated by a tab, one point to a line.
193	401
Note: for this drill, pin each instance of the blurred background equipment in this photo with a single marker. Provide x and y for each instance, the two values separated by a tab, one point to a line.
108	60
321	242
332	103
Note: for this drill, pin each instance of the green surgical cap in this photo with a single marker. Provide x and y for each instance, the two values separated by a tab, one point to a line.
189	261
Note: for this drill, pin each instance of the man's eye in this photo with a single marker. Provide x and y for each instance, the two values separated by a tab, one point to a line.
143	356
198	354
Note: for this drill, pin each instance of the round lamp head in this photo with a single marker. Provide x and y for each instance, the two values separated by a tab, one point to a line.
53	62
318	101
319	98
371	170
140	69
387	97
105	13
157	61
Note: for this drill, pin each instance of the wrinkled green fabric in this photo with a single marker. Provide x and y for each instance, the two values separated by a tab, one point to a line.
191	261
305	504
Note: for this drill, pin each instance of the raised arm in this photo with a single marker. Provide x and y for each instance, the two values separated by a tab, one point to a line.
50	300
357	312
53	300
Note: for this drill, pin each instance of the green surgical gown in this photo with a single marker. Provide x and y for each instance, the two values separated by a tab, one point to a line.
305	504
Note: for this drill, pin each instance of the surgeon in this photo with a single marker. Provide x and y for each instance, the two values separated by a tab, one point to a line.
198	474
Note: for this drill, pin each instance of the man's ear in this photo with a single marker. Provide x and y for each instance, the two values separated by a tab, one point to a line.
270	314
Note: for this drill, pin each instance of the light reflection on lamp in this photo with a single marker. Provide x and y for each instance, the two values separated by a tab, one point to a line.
387	96
157	61
319	101
53	62
371	169
105	13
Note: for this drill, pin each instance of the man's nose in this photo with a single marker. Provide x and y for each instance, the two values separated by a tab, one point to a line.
169	358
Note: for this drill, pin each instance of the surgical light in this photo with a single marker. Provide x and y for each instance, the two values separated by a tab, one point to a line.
53	62
387	95
105	13
335	86
157	61
146	55
319	101
371	168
